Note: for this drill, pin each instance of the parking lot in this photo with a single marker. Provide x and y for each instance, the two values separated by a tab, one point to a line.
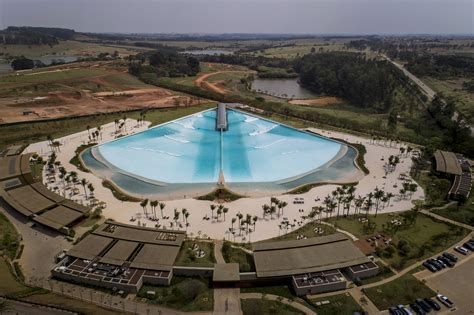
457	284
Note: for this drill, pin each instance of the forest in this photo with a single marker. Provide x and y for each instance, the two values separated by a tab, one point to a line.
364	82
441	66
163	63
26	35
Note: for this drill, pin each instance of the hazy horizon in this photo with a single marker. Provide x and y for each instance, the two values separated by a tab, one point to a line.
317	17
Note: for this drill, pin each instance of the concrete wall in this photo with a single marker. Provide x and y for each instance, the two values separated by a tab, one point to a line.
319	288
206	272
360	274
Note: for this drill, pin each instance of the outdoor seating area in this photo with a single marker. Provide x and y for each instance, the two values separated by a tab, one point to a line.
122	256
19	191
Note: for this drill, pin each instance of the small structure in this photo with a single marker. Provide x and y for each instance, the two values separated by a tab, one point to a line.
226	274
221	120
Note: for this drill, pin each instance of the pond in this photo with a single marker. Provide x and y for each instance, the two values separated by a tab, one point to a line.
285	88
208	52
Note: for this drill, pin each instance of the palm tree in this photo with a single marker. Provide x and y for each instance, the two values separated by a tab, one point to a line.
389	196
184	211
225	210
84	183
219	212
358	203
378	194
143	204
99	129
88	130
272	211
255	219
233	221
265	209
176	217
91	188
162	206
213	207
153	205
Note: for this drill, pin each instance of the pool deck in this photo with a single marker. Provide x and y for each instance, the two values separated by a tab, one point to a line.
218	229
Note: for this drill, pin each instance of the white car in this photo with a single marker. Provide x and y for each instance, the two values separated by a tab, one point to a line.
461	250
444	299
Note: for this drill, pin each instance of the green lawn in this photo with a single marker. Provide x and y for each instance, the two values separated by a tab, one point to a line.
236	255
184	294
126	80
403	290
39	77
8	283
266	307
8	237
343	304
463	213
306	230
436	189
187	257
423	238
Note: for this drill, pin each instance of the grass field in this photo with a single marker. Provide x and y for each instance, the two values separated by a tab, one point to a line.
8	237
38	131
280	290
403	290
64	48
452	87
424	238
343	304
46	76
8	283
187	257
463	213
261	307
184	294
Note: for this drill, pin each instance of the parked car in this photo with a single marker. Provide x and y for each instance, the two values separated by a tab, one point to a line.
425	306
446	261
436	263
469	246
429	266
404	309
444	299
450	256
417	309
461	250
433	304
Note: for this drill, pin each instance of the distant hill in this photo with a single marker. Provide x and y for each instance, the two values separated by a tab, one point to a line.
29	35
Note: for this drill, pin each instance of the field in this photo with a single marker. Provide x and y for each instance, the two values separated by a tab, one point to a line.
80	89
8	283
65	48
403	290
184	294
187	256
422	238
452	87
343	304
463	213
257	307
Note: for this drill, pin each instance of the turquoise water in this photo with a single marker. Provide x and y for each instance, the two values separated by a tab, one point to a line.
190	150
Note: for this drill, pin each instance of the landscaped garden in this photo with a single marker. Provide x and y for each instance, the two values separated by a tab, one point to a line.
193	253
343	304
414	236
238	255
263	306
184	294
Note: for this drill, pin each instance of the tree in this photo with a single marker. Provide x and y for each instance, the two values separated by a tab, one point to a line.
84	183
232	224
22	63
143	204
225	210
153	205
91	188
213	207
162	206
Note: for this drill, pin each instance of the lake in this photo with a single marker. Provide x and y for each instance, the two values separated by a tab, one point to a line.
285	88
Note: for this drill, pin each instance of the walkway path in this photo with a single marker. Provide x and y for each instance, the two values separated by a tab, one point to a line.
352	236
227	301
283	300
218	252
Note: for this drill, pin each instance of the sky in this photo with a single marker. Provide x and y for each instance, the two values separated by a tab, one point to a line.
245	16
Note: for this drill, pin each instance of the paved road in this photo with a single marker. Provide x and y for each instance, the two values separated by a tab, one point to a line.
218	252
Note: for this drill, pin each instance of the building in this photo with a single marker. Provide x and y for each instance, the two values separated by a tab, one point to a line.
19	191
122	256
314	265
